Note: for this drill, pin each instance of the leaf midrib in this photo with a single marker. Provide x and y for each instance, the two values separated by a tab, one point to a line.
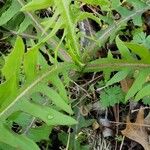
9	109
111	29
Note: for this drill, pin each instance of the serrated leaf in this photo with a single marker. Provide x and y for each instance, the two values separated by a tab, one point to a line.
111	96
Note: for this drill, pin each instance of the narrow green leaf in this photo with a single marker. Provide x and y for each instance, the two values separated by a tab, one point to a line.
30	63
13	61
56	81
118	77
63	7
145	91
140	50
35	5
54	97
125	53
85	15
104	4
138	83
10	12
48	115
50	22
7	89
57	26
25	24
17	141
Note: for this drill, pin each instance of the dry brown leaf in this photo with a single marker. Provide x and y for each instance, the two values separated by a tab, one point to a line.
126	84
136	131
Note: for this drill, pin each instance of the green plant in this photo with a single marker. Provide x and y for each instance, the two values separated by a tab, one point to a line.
111	96
141	38
25	76
32	87
128	65
126	11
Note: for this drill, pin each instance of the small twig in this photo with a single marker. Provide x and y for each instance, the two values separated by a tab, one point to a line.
122	143
93	80
24	35
81	99
29	126
136	124
76	130
135	110
81	88
68	141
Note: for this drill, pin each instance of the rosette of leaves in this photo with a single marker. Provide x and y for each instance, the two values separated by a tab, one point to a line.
30	86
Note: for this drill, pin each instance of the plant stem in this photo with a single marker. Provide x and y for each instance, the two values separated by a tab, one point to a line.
63	54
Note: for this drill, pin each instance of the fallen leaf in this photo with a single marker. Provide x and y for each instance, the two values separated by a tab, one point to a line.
136	131
126	84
